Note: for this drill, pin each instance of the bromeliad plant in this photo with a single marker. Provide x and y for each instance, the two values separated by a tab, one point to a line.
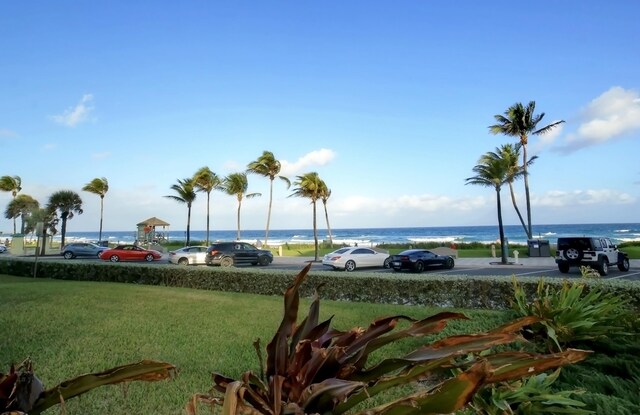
312	368
21	392
572	312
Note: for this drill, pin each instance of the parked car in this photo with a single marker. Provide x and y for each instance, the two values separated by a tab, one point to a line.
227	254
3	249
595	252
130	253
350	258
189	255
418	260
76	249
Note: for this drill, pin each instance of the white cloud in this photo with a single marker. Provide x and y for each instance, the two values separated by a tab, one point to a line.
612	115
561	198
5	133
101	156
315	158
75	115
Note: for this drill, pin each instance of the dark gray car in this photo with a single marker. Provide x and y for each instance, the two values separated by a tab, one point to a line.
76	249
227	254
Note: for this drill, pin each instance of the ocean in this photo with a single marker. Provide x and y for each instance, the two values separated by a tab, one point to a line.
618	232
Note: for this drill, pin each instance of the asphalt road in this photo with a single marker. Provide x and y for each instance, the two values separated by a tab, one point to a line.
527	267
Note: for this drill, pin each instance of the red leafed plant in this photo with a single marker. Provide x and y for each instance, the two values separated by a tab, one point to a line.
312	368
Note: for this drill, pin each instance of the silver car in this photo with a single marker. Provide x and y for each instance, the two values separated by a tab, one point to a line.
189	255
76	249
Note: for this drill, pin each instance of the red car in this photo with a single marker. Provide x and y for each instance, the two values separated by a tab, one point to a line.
130	253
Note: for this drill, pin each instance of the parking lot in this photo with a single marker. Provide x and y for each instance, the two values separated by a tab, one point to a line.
475	267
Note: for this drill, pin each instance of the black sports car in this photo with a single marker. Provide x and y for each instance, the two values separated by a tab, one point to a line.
418	260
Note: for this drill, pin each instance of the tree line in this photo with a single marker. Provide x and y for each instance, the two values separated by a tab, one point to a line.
65	204
494	170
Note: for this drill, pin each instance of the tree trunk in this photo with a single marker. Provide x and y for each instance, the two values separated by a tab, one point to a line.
515	206
266	234
63	230
238	219
526	186
188	223
326	217
101	213
208	198
315	230
503	247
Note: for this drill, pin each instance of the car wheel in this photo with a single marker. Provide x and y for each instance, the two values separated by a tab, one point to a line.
263	260
418	267
387	263
68	255
114	258
603	267
449	264
183	261
573	254
564	268
624	265
350	266
148	258
226	262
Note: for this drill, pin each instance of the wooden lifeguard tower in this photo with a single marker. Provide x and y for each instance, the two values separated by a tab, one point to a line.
148	230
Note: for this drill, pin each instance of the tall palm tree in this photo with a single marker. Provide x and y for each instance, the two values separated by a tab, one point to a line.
100	187
22	206
11	184
66	203
310	186
185	193
206	181
519	121
510	153
325	194
492	171
49	220
266	165
236	184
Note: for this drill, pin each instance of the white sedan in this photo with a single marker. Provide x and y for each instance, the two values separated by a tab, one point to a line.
350	258
189	255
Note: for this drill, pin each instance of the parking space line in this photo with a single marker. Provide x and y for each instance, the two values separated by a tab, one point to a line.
536	272
626	275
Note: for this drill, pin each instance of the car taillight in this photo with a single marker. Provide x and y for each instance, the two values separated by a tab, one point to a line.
335	258
404	258
214	252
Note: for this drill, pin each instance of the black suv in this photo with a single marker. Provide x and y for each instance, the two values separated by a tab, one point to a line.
227	254
597	253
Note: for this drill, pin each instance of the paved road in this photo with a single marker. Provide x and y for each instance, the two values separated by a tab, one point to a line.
526	267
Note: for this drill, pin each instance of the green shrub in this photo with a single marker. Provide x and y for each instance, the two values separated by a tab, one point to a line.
572	311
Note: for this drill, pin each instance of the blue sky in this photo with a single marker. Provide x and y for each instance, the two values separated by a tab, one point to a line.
388	101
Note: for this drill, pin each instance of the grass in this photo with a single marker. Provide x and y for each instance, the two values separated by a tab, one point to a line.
69	328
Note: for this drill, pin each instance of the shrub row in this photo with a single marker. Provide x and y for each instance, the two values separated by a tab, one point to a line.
409	289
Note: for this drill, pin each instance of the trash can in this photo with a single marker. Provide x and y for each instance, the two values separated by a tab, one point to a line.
545	248
534	247
103	243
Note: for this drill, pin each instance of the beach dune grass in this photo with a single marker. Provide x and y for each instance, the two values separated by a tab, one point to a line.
69	328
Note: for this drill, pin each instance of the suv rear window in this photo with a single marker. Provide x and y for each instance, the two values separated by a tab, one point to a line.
580	243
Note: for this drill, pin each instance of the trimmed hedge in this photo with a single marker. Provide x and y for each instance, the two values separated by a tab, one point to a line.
410	289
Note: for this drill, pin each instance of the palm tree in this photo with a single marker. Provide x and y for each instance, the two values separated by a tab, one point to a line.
310	186
23	206
266	165
49	220
66	202
100	187
510	153
520	121
325	194
492	171
11	184
185	193
236	184
206	181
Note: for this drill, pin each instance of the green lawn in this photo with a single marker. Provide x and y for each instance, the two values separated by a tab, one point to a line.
69	328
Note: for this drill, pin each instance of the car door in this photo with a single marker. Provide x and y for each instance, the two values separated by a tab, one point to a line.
609	250
250	253
365	257
198	254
